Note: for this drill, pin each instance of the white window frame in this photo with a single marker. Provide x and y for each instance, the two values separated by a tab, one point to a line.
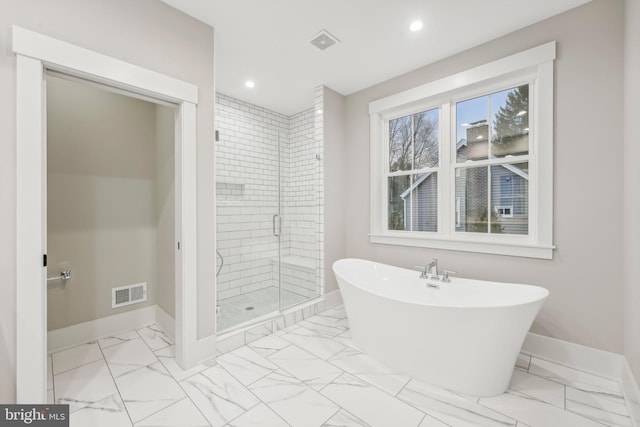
533	66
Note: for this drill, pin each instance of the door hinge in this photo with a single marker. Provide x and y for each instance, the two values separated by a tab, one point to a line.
217	135
44	260
178	245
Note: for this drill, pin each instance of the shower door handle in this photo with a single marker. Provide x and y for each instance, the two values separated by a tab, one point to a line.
276	216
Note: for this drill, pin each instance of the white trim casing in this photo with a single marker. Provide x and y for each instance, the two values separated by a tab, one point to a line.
186	298
31	297
535	66
35	53
77	61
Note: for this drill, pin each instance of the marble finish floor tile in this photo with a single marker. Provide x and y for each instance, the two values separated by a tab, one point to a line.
370	370
155	337
370	404
246	365
183	413
84	385
107	412
148	390
451	408
538	388
344	418
572	377
321	346
311	370
75	356
128	356
298	404
534	412
309	374
218	395
167	356
117	339
268	345
606	408
259	416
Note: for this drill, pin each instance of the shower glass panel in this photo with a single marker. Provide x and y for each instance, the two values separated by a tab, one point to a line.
301	204
268	212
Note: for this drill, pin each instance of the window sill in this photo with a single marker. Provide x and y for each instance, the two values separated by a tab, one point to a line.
527	250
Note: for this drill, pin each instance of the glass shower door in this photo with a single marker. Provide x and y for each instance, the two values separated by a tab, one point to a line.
301	189
248	222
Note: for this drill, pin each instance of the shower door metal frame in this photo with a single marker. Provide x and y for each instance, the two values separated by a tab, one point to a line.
36	53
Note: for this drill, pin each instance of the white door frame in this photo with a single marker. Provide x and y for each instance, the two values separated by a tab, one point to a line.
36	53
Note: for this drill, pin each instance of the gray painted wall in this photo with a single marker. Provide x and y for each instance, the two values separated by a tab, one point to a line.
585	275
147	33
632	187
101	213
335	166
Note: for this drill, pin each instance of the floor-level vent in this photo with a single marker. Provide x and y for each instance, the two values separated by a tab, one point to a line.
126	295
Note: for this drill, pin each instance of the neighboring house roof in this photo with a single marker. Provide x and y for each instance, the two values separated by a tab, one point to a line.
460	144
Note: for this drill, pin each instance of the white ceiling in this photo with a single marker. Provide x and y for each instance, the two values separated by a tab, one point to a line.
267	41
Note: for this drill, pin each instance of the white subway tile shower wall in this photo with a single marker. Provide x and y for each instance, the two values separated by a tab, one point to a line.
247	198
319	136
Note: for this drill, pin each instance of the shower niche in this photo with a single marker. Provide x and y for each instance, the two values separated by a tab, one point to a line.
269	211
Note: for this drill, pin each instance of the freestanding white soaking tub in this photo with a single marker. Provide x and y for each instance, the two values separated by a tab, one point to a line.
464	336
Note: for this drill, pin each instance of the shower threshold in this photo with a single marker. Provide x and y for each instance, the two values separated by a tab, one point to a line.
239	311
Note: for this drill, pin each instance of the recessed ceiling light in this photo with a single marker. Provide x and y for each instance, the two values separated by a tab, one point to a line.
479	137
521	113
416	26
250	84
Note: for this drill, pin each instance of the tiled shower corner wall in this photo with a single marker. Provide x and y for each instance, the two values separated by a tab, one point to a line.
247	193
300	208
319	136
247	198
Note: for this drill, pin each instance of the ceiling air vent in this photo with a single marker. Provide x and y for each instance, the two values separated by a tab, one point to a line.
323	40
126	295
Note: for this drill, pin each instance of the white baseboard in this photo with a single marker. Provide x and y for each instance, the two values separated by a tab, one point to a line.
166	322
206	348
631	392
95	329
599	362
588	359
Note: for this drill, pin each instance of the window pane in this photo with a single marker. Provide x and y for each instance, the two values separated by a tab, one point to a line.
413	202
421	203
508	113
509	194
472	191
400	144
398	186
510	197
510	122
472	129
426	133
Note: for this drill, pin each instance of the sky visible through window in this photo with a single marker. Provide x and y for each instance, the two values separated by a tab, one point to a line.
477	109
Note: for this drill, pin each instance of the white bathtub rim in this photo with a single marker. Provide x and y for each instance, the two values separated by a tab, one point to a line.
525	288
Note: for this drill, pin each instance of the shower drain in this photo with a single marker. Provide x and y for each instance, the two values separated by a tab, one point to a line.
248	308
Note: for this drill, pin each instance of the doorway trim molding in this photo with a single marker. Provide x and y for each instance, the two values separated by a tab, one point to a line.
36	53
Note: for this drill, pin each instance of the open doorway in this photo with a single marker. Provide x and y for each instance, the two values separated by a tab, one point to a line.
37	55
110	212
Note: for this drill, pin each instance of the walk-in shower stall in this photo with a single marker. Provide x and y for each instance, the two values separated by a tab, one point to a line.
269	193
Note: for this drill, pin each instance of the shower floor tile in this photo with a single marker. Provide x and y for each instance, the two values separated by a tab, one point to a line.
310	378
243	308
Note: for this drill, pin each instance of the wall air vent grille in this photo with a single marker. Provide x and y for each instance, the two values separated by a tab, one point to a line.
126	295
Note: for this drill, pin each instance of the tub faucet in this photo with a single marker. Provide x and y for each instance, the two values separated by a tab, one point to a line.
430	270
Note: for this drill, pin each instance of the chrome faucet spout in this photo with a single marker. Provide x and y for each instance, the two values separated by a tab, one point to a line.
430	270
